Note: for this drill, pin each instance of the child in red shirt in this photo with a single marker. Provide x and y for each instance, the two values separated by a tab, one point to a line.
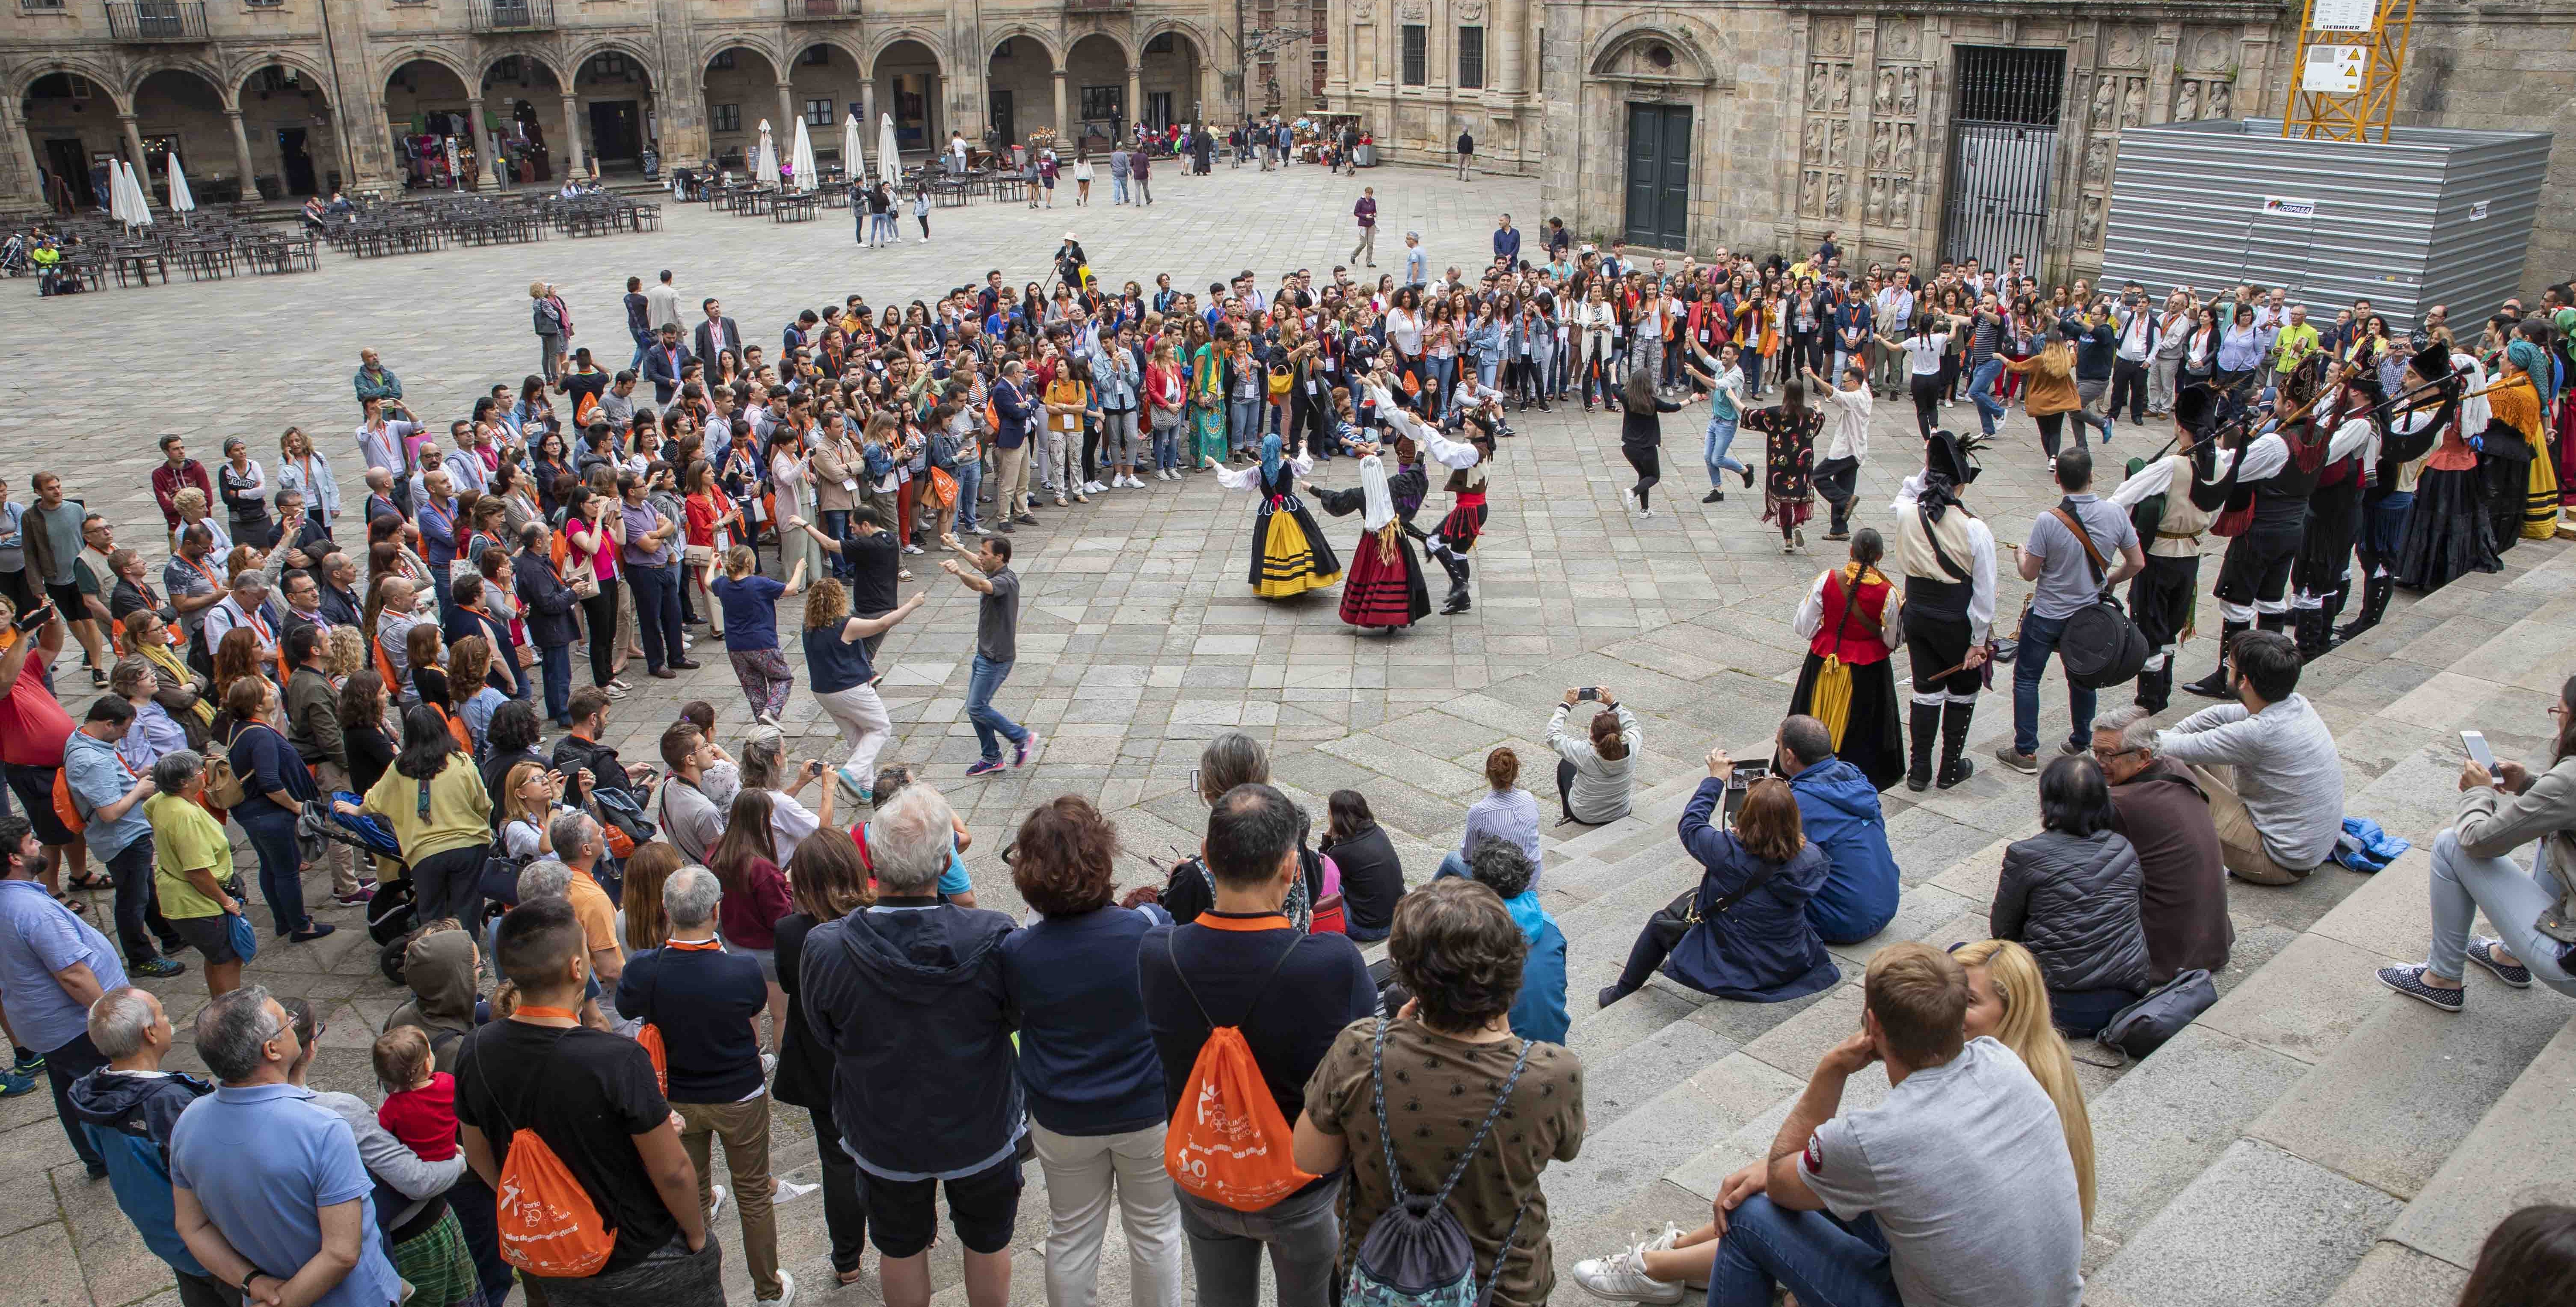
420	1102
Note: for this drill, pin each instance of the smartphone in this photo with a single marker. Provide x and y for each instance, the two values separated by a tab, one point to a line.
1587	694
2476	743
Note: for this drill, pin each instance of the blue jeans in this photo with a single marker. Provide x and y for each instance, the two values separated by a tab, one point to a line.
1721	434
2514	895
1243	424
1167	448
970	481
1981	392
1826	1262
859	220
657	614
1444	378
438	583
1485	369
643	341
557	661
991	727
281	866
2039	637
1117	188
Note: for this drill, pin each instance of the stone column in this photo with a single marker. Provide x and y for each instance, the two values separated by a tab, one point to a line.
571	137
487	176
241	150
134	151
868	113
786	129
1511	40
1135	101
1063	124
23	189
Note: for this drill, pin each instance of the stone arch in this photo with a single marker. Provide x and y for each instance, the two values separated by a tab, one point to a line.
110	79
583	54
248	66
740	41
1126	51
1623	52
542	58
857	54
144	70
1012	32
391	64
304	163
1199	41
927	40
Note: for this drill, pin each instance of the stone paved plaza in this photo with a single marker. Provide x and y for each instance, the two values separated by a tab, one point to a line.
1140	640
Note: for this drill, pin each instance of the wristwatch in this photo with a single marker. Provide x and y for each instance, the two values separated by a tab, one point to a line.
247	1277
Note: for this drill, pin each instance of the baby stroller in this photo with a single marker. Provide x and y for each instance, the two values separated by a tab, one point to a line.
390	914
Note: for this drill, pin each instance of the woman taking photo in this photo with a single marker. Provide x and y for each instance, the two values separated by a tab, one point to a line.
1596	774
275	786
1641	433
1743	932
2070	895
1087	1064
434	803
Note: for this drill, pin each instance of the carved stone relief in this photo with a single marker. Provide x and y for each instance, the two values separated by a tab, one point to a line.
1909	91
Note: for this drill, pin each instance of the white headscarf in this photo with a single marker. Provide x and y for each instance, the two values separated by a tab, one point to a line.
1379	508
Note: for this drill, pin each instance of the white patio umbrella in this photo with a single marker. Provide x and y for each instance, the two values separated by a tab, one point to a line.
118	207
181	201
764	167
803	158
138	202
854	161
887	165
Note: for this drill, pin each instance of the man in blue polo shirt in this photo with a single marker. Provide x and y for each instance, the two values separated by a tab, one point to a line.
53	965
267	1188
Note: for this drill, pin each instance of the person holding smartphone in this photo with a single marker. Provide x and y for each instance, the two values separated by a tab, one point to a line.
1596	771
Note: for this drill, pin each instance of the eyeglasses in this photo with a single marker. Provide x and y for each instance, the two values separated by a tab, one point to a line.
2105	756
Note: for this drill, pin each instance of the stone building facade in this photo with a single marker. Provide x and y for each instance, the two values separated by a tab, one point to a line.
1420	71
312	94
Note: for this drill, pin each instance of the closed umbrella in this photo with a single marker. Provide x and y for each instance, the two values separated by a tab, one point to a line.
887	166
765	167
804	157
138	204
180	200
854	161
117	207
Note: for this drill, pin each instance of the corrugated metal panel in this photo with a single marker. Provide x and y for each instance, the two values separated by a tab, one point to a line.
2435	216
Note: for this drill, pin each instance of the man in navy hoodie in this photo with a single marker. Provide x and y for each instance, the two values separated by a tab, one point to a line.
128	1108
909	997
1839	809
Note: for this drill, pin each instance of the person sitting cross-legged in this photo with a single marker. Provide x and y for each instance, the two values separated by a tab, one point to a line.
2268	764
1838	808
2474	870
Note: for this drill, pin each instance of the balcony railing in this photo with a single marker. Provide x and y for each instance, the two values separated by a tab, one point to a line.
512	15
156	20
1100	6
797	9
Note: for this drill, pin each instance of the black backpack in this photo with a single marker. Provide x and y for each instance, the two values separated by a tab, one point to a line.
1416	1253
2100	645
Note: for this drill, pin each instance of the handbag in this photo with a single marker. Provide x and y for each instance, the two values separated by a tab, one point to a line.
2100	646
243	939
2143	1027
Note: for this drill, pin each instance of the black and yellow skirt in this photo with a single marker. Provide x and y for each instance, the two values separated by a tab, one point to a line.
1293	557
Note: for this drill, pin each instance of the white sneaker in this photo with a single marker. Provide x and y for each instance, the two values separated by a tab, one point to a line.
717	1205
1621	1277
784	1190
786	1291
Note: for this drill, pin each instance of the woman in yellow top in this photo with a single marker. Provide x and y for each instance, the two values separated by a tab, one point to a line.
1065	399
2051	396
2522	486
192	866
433	801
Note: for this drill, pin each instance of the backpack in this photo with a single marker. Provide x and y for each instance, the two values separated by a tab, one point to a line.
1416	1254
66	806
1228	1143
548	1225
2100	645
224	789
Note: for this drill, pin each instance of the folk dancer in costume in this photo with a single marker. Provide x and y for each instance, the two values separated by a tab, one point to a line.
2163	595
1948	559
1289	554
1467	462
2390	478
1853	621
1789	431
2522	487
2448	531
2269	478
2323	570
1384	586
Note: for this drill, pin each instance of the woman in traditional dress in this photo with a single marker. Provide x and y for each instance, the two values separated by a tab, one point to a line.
1289	555
2531	357
2448	530
1384	588
2510	456
1207	401
1457	533
1789	455
1852	618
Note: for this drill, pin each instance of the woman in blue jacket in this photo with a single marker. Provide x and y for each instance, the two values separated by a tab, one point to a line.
1743	933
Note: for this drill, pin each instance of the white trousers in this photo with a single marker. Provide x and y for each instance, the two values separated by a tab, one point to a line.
864	723
1081	1171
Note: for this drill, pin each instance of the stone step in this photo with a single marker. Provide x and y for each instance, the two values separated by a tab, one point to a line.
2259	1226
2511	1160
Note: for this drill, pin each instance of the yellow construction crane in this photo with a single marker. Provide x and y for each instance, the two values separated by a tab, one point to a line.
2350	54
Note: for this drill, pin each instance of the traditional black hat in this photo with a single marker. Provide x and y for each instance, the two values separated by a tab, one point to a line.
1948	454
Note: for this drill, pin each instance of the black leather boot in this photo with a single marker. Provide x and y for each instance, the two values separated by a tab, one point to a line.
1955	764
2214	685
1926	724
2375	594
2155	689
2310	633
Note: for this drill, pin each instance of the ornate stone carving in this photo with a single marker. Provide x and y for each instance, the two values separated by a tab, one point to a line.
2125	48
1875	213
1815	151
1885	100
2088	223
1841	101
1909	91
1834	195
1900	202
1882	138
1413	11
1473	11
2106	91
2097	163
1834	36
1897	38
1811	194
2218	100
1817	87
1904	158
2187	102
1838	151
2209	51
2133	103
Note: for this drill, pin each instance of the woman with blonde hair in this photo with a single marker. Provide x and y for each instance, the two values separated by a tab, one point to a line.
2008	999
2051	376
179	690
528	797
844	680
348	654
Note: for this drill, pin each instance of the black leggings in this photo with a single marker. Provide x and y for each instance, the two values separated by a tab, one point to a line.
2051	430
1649	470
1927	402
599	614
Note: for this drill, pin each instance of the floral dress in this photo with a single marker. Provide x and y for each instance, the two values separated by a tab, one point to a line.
1789	456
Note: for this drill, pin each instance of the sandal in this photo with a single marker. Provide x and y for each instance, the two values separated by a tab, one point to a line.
90	880
74	904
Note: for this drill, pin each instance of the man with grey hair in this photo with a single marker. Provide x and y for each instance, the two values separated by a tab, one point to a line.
2162	810
243	607
393	630
267	1191
577	840
549	878
909	993
707	1002
128	1109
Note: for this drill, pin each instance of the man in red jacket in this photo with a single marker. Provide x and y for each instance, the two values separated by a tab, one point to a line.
176	473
